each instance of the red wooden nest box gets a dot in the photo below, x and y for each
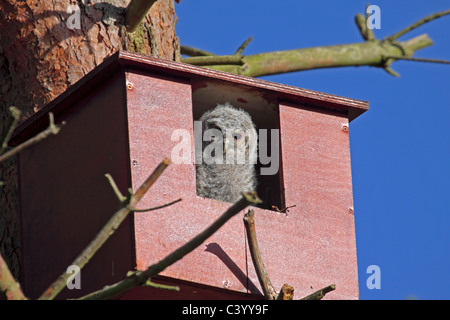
(119, 120)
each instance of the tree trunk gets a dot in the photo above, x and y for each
(45, 47)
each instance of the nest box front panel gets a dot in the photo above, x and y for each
(158, 106)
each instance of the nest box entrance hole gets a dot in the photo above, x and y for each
(264, 111)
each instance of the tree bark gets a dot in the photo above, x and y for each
(43, 51)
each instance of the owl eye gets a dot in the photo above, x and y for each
(237, 136)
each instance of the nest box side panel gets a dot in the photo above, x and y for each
(158, 108)
(65, 199)
(319, 233)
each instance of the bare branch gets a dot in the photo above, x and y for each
(111, 226)
(420, 59)
(417, 24)
(115, 188)
(51, 130)
(142, 190)
(136, 11)
(214, 60)
(263, 277)
(154, 208)
(319, 294)
(368, 53)
(139, 278)
(194, 52)
(361, 23)
(8, 285)
(161, 286)
(243, 46)
(11, 125)
(371, 52)
(391, 71)
(284, 210)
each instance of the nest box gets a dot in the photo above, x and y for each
(120, 119)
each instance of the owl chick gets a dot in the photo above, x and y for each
(229, 152)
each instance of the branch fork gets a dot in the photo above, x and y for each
(370, 52)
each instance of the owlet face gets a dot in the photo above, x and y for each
(228, 155)
(230, 136)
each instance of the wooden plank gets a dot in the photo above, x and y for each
(65, 198)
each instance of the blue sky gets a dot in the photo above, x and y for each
(400, 148)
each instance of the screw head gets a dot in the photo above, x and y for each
(345, 127)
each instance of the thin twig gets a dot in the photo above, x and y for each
(391, 71)
(194, 52)
(319, 294)
(285, 210)
(115, 188)
(361, 23)
(419, 59)
(418, 24)
(10, 126)
(140, 277)
(154, 208)
(161, 286)
(243, 46)
(51, 130)
(112, 225)
(142, 190)
(369, 33)
(8, 285)
(263, 277)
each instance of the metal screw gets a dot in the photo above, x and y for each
(345, 128)
(129, 85)
(351, 211)
(134, 163)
